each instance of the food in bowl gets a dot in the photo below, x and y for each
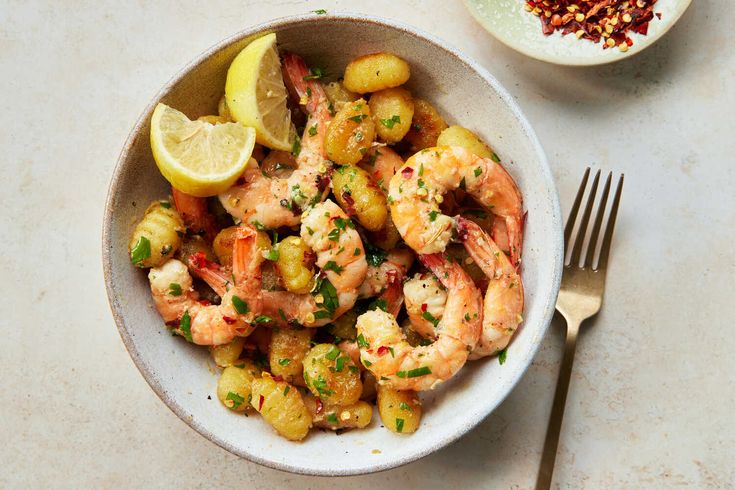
(292, 257)
(609, 21)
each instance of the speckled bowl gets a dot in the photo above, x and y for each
(184, 376)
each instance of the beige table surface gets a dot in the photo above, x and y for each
(652, 396)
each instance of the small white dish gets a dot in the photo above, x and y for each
(512, 25)
(183, 375)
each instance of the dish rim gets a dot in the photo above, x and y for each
(273, 25)
(642, 42)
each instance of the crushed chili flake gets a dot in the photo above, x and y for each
(382, 350)
(407, 172)
(319, 406)
(260, 403)
(424, 306)
(595, 20)
(228, 320)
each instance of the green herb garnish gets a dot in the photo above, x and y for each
(389, 123)
(414, 373)
(236, 399)
(141, 250)
(174, 289)
(240, 306)
(185, 325)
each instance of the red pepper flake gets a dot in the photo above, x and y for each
(595, 20)
(228, 320)
(205, 302)
(260, 403)
(382, 350)
(199, 261)
(319, 406)
(407, 172)
(424, 307)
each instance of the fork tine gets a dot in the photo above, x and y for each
(598, 223)
(577, 250)
(605, 250)
(573, 213)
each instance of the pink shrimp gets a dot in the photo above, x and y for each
(503, 307)
(196, 215)
(203, 324)
(392, 360)
(418, 188)
(275, 202)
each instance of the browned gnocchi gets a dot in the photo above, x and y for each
(392, 112)
(282, 406)
(426, 126)
(376, 71)
(157, 237)
(400, 411)
(331, 375)
(350, 133)
(356, 193)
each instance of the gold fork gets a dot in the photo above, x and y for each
(580, 298)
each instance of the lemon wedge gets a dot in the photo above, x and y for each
(197, 157)
(256, 95)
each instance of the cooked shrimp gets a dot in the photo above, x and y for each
(396, 263)
(503, 307)
(425, 300)
(386, 353)
(177, 302)
(381, 163)
(275, 202)
(196, 215)
(418, 187)
(340, 255)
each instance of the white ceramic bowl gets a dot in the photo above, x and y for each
(520, 30)
(183, 375)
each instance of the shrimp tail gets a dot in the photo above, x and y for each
(196, 215)
(393, 293)
(210, 272)
(308, 91)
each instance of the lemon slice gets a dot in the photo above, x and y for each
(256, 95)
(197, 157)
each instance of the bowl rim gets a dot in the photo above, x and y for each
(642, 42)
(273, 25)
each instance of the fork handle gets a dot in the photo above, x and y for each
(551, 444)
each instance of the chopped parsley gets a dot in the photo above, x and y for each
(140, 251)
(185, 325)
(296, 147)
(284, 362)
(389, 123)
(502, 356)
(333, 235)
(329, 293)
(312, 130)
(272, 254)
(174, 289)
(343, 223)
(340, 364)
(331, 418)
(286, 390)
(379, 304)
(315, 74)
(332, 266)
(433, 215)
(374, 255)
(361, 342)
(495, 157)
(428, 316)
(405, 406)
(414, 373)
(320, 12)
(240, 306)
(333, 353)
(320, 385)
(165, 204)
(263, 319)
(258, 225)
(357, 252)
(358, 118)
(399, 425)
(236, 400)
(478, 171)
